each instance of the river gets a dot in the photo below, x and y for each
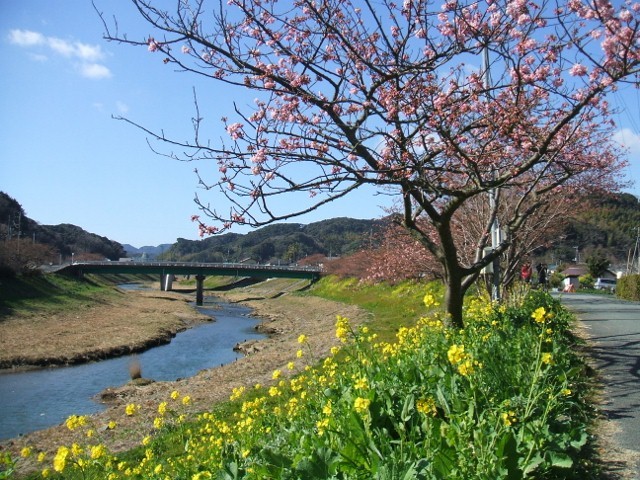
(37, 399)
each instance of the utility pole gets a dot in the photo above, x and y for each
(634, 261)
(493, 200)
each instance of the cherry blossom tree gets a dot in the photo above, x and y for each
(351, 93)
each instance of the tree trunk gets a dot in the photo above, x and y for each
(453, 275)
(454, 297)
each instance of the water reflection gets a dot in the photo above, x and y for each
(38, 399)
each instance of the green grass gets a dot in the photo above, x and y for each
(50, 293)
(391, 306)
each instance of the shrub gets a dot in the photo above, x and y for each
(628, 287)
(586, 281)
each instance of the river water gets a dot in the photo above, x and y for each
(37, 399)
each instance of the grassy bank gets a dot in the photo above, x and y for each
(505, 398)
(53, 293)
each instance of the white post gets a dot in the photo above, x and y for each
(493, 207)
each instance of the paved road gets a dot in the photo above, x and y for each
(614, 328)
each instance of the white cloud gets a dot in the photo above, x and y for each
(94, 71)
(26, 38)
(629, 140)
(122, 107)
(89, 55)
(61, 47)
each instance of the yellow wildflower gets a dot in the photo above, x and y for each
(131, 409)
(162, 408)
(186, 400)
(342, 328)
(456, 354)
(509, 418)
(276, 374)
(302, 339)
(361, 405)
(539, 315)
(426, 406)
(97, 451)
(322, 425)
(175, 395)
(75, 421)
(547, 358)
(430, 301)
(60, 460)
(25, 452)
(236, 393)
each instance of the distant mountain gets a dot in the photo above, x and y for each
(149, 252)
(64, 239)
(280, 242)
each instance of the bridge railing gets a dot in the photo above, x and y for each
(224, 265)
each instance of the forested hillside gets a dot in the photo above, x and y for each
(606, 224)
(22, 237)
(286, 242)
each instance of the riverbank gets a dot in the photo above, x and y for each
(285, 317)
(119, 324)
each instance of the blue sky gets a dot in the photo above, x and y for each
(66, 160)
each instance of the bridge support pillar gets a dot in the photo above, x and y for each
(199, 290)
(166, 282)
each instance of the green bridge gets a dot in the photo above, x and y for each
(167, 270)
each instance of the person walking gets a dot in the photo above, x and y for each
(526, 272)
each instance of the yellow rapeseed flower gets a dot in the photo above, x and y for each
(162, 408)
(430, 301)
(342, 328)
(322, 425)
(456, 354)
(361, 405)
(174, 395)
(465, 368)
(547, 358)
(97, 451)
(426, 406)
(131, 409)
(509, 418)
(276, 374)
(25, 452)
(539, 315)
(75, 421)
(186, 400)
(60, 460)
(302, 339)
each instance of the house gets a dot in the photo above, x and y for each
(574, 272)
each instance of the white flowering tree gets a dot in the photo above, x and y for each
(394, 95)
